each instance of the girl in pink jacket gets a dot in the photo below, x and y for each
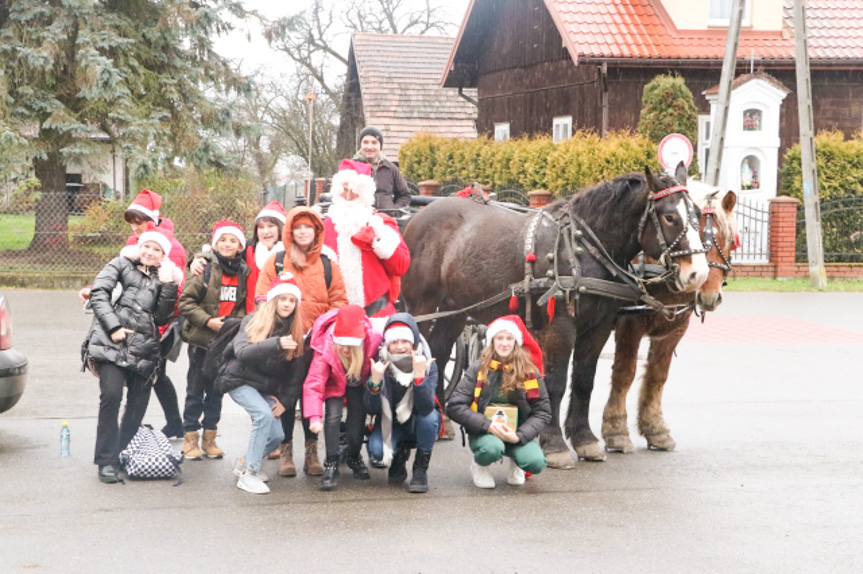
(344, 346)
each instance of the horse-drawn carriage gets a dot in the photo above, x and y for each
(566, 270)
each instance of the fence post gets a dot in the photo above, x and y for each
(429, 188)
(783, 235)
(538, 198)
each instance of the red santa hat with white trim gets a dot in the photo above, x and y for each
(358, 178)
(147, 203)
(162, 237)
(285, 284)
(513, 325)
(275, 210)
(230, 228)
(348, 329)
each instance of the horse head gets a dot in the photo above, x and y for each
(669, 231)
(719, 235)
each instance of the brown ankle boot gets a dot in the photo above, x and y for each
(312, 466)
(209, 446)
(277, 452)
(190, 446)
(286, 460)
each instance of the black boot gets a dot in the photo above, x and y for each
(361, 472)
(109, 474)
(398, 467)
(174, 430)
(419, 480)
(330, 479)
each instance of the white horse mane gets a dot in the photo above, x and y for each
(702, 194)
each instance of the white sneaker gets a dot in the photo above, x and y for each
(251, 482)
(240, 468)
(515, 475)
(482, 478)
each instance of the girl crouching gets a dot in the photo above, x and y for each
(503, 404)
(257, 375)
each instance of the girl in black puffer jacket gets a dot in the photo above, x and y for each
(261, 374)
(122, 346)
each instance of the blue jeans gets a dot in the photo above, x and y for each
(420, 429)
(266, 429)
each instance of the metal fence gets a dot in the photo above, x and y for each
(753, 218)
(841, 230)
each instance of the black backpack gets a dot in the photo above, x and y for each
(328, 266)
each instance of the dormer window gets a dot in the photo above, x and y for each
(720, 13)
(752, 120)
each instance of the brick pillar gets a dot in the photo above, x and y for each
(320, 186)
(783, 235)
(429, 188)
(539, 198)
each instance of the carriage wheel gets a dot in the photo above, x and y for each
(454, 369)
(467, 349)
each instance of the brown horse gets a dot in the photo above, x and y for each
(465, 252)
(721, 231)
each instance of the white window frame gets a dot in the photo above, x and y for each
(705, 125)
(747, 10)
(561, 128)
(501, 131)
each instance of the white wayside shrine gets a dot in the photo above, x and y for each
(750, 162)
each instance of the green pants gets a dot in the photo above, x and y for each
(488, 448)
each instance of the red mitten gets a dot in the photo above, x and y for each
(364, 238)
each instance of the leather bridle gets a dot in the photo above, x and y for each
(668, 251)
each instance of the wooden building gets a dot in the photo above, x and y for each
(554, 66)
(393, 83)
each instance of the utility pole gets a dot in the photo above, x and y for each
(310, 108)
(720, 121)
(811, 203)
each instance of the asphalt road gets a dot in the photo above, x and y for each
(764, 401)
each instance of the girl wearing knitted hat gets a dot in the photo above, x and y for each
(344, 345)
(263, 360)
(503, 404)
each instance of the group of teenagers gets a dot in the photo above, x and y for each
(301, 314)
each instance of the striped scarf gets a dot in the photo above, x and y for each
(531, 386)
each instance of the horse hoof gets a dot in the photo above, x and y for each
(618, 443)
(590, 451)
(559, 460)
(660, 442)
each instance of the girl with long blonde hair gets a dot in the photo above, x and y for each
(503, 404)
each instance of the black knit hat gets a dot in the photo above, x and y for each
(372, 131)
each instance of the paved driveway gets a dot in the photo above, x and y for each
(764, 401)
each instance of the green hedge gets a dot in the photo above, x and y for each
(527, 163)
(840, 186)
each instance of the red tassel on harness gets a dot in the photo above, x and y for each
(513, 303)
(530, 258)
(550, 307)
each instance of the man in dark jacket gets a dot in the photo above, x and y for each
(401, 394)
(392, 190)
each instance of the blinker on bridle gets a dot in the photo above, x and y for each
(692, 219)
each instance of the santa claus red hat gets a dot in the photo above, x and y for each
(349, 330)
(360, 167)
(228, 227)
(275, 210)
(162, 237)
(285, 284)
(358, 177)
(147, 203)
(513, 325)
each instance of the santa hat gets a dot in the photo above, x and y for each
(162, 237)
(285, 284)
(513, 325)
(147, 203)
(358, 177)
(275, 210)
(349, 330)
(228, 227)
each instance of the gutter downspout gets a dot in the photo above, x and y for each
(467, 97)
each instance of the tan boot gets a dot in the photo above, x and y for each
(190, 446)
(209, 446)
(277, 452)
(312, 466)
(286, 460)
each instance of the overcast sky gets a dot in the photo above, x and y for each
(246, 45)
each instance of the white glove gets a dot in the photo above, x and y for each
(377, 224)
(166, 271)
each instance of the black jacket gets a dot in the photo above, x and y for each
(144, 305)
(533, 416)
(392, 191)
(262, 366)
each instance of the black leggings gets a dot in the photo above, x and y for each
(296, 392)
(112, 438)
(353, 425)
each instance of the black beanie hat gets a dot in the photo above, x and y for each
(372, 131)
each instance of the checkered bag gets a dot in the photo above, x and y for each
(149, 456)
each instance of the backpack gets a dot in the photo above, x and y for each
(215, 355)
(149, 455)
(328, 266)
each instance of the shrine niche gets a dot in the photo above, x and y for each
(752, 120)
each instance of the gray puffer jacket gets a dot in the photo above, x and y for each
(144, 304)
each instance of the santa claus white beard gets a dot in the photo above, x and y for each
(349, 216)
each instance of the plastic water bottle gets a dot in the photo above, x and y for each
(65, 437)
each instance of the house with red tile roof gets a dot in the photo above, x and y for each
(554, 66)
(393, 82)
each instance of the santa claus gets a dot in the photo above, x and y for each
(371, 253)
